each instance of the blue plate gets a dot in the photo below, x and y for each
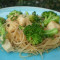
(53, 55)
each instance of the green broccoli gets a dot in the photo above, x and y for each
(2, 32)
(14, 15)
(34, 17)
(51, 32)
(47, 14)
(2, 29)
(35, 34)
(50, 16)
(2, 20)
(26, 13)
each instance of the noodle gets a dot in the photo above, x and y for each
(19, 42)
(28, 48)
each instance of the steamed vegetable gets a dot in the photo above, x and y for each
(35, 34)
(51, 32)
(26, 13)
(2, 29)
(47, 14)
(50, 16)
(2, 20)
(34, 17)
(14, 15)
(2, 32)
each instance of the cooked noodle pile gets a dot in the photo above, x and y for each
(20, 43)
(17, 22)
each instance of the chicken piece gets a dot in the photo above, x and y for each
(21, 20)
(28, 22)
(7, 46)
(11, 26)
(52, 25)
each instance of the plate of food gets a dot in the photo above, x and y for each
(29, 33)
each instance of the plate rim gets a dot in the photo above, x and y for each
(30, 7)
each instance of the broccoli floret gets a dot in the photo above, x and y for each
(2, 20)
(47, 14)
(26, 13)
(34, 17)
(50, 16)
(34, 39)
(51, 32)
(2, 32)
(35, 34)
(14, 15)
(2, 29)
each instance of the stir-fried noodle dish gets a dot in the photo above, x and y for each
(30, 33)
